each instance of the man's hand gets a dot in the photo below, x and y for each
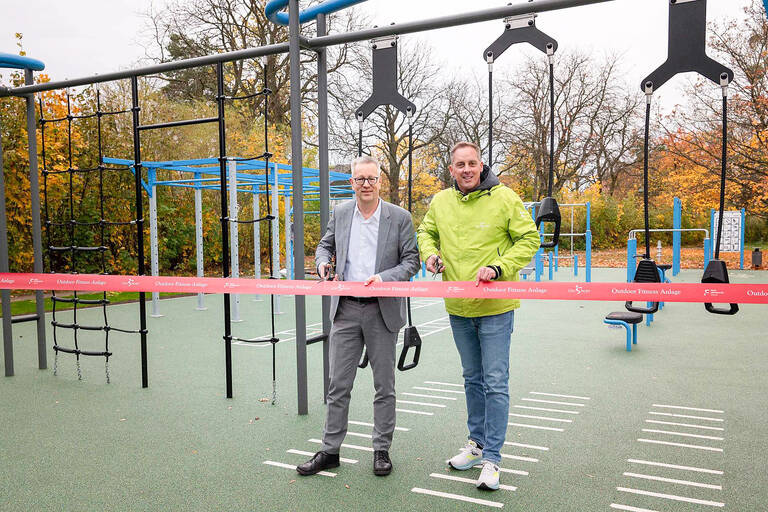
(485, 274)
(373, 279)
(323, 270)
(435, 264)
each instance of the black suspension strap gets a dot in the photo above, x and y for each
(385, 92)
(62, 244)
(686, 52)
(522, 29)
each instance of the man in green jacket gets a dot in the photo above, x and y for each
(479, 230)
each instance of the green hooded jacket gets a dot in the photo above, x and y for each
(488, 226)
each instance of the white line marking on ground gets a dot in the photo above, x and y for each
(364, 424)
(531, 446)
(439, 390)
(459, 497)
(358, 434)
(674, 481)
(518, 457)
(681, 434)
(683, 425)
(524, 425)
(468, 480)
(682, 445)
(672, 497)
(505, 470)
(674, 466)
(429, 396)
(540, 418)
(631, 509)
(688, 408)
(415, 412)
(351, 446)
(420, 403)
(444, 384)
(290, 466)
(685, 416)
(310, 454)
(545, 409)
(560, 396)
(551, 402)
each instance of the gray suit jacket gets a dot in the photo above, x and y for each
(397, 257)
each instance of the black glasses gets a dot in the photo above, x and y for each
(361, 181)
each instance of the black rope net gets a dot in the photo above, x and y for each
(268, 218)
(76, 237)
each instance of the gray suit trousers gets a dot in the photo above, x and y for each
(354, 327)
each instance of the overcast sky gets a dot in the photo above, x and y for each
(86, 37)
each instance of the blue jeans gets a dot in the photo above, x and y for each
(483, 345)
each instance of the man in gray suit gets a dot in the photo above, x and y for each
(373, 241)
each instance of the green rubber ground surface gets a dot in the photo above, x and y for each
(181, 445)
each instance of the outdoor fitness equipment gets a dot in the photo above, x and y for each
(385, 93)
(686, 52)
(553, 257)
(522, 29)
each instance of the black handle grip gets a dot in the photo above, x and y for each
(637, 309)
(411, 339)
(731, 310)
(364, 361)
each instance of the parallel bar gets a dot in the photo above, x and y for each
(37, 236)
(185, 122)
(298, 200)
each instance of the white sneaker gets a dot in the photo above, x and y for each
(489, 477)
(467, 457)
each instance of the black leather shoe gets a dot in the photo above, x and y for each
(382, 465)
(319, 462)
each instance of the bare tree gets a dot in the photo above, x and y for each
(386, 129)
(594, 123)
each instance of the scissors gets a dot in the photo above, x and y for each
(439, 267)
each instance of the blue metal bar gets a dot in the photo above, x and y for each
(588, 262)
(677, 221)
(743, 228)
(274, 8)
(9, 60)
(631, 255)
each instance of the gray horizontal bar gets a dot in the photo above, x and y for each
(24, 318)
(247, 53)
(315, 43)
(452, 20)
(187, 122)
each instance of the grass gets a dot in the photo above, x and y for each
(27, 306)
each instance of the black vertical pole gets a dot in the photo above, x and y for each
(139, 224)
(5, 267)
(322, 119)
(37, 238)
(298, 203)
(224, 223)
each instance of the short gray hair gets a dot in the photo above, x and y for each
(365, 159)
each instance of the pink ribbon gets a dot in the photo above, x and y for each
(641, 292)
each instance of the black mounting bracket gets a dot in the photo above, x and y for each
(687, 50)
(520, 29)
(385, 80)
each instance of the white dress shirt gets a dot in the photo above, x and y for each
(363, 241)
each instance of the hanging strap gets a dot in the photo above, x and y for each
(549, 211)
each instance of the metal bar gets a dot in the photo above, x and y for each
(139, 226)
(154, 257)
(233, 235)
(248, 53)
(316, 339)
(275, 236)
(185, 122)
(24, 318)
(634, 232)
(322, 130)
(199, 244)
(289, 263)
(298, 191)
(316, 43)
(37, 237)
(5, 267)
(256, 238)
(452, 20)
(224, 222)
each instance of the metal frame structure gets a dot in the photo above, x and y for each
(296, 44)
